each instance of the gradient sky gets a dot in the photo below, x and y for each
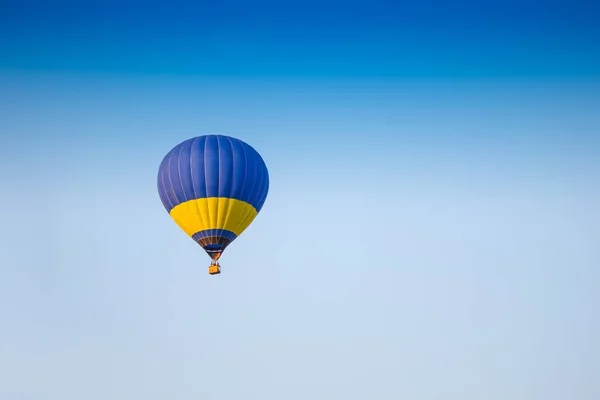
(432, 229)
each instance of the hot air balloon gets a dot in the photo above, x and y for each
(213, 186)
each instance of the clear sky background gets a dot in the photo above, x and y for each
(433, 224)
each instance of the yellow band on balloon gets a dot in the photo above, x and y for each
(213, 213)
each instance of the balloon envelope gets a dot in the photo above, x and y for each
(213, 187)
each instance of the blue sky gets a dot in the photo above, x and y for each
(448, 155)
(309, 38)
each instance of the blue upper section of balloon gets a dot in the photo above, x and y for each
(213, 166)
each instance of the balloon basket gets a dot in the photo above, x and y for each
(214, 269)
